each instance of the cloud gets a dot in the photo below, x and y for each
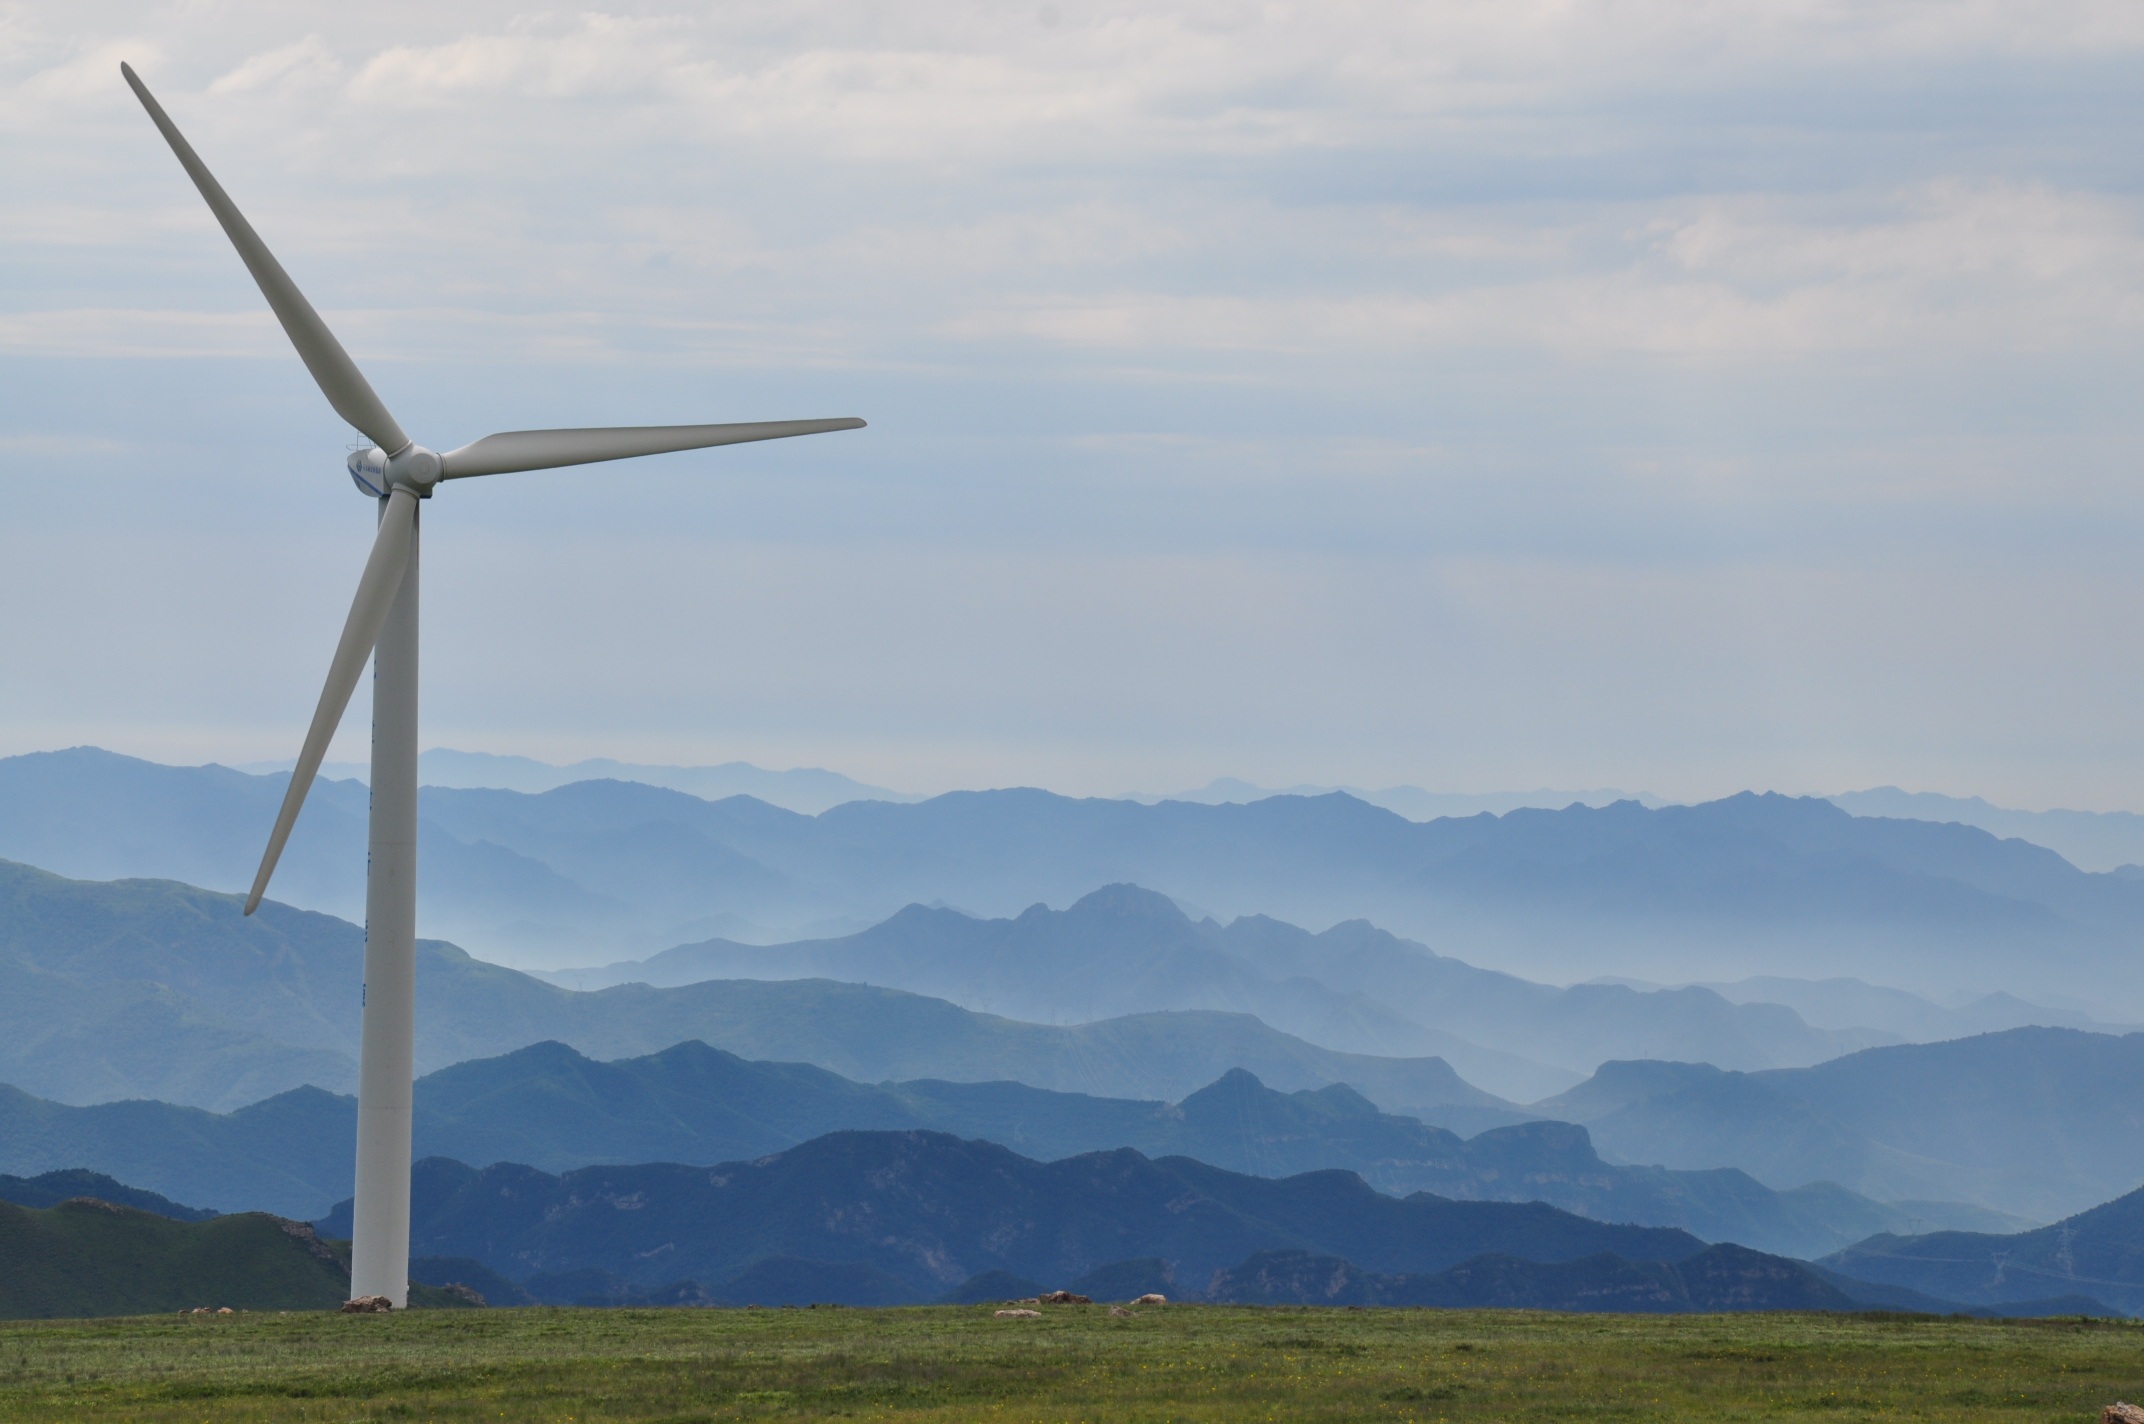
(1453, 381)
(124, 333)
(2001, 266)
(308, 64)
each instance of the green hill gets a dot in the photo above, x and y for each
(89, 1257)
(52, 1188)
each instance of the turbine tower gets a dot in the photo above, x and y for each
(397, 473)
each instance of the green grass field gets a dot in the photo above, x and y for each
(1078, 1363)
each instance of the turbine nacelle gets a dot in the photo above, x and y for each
(378, 474)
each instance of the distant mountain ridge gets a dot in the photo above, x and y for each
(1852, 1003)
(156, 990)
(1746, 885)
(2041, 1122)
(87, 1256)
(808, 789)
(2090, 840)
(550, 1108)
(1416, 803)
(933, 1211)
(1122, 949)
(148, 990)
(2099, 1253)
(879, 1218)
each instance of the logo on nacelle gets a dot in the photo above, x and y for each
(368, 468)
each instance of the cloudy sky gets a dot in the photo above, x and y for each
(1653, 393)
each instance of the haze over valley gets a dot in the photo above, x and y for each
(1064, 977)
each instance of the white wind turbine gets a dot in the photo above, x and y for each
(397, 472)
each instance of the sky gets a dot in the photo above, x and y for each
(1674, 396)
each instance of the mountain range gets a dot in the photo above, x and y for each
(153, 958)
(1416, 803)
(808, 789)
(88, 1255)
(1913, 1018)
(156, 990)
(1744, 886)
(933, 1211)
(549, 1107)
(2040, 1122)
(880, 1218)
(149, 990)
(1123, 950)
(885, 1216)
(2099, 1252)
(2092, 840)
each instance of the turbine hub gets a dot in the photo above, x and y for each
(377, 473)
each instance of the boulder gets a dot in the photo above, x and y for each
(1063, 1298)
(1152, 1298)
(368, 1305)
(2119, 1413)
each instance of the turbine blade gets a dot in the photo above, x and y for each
(333, 370)
(376, 592)
(547, 449)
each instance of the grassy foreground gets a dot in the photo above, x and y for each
(1078, 1363)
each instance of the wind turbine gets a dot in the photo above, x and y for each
(397, 472)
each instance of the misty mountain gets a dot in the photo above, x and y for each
(2099, 1253)
(1853, 1003)
(933, 1211)
(290, 1154)
(808, 789)
(2094, 840)
(94, 815)
(159, 990)
(1747, 885)
(2040, 1122)
(551, 1108)
(1124, 950)
(152, 989)
(1414, 802)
